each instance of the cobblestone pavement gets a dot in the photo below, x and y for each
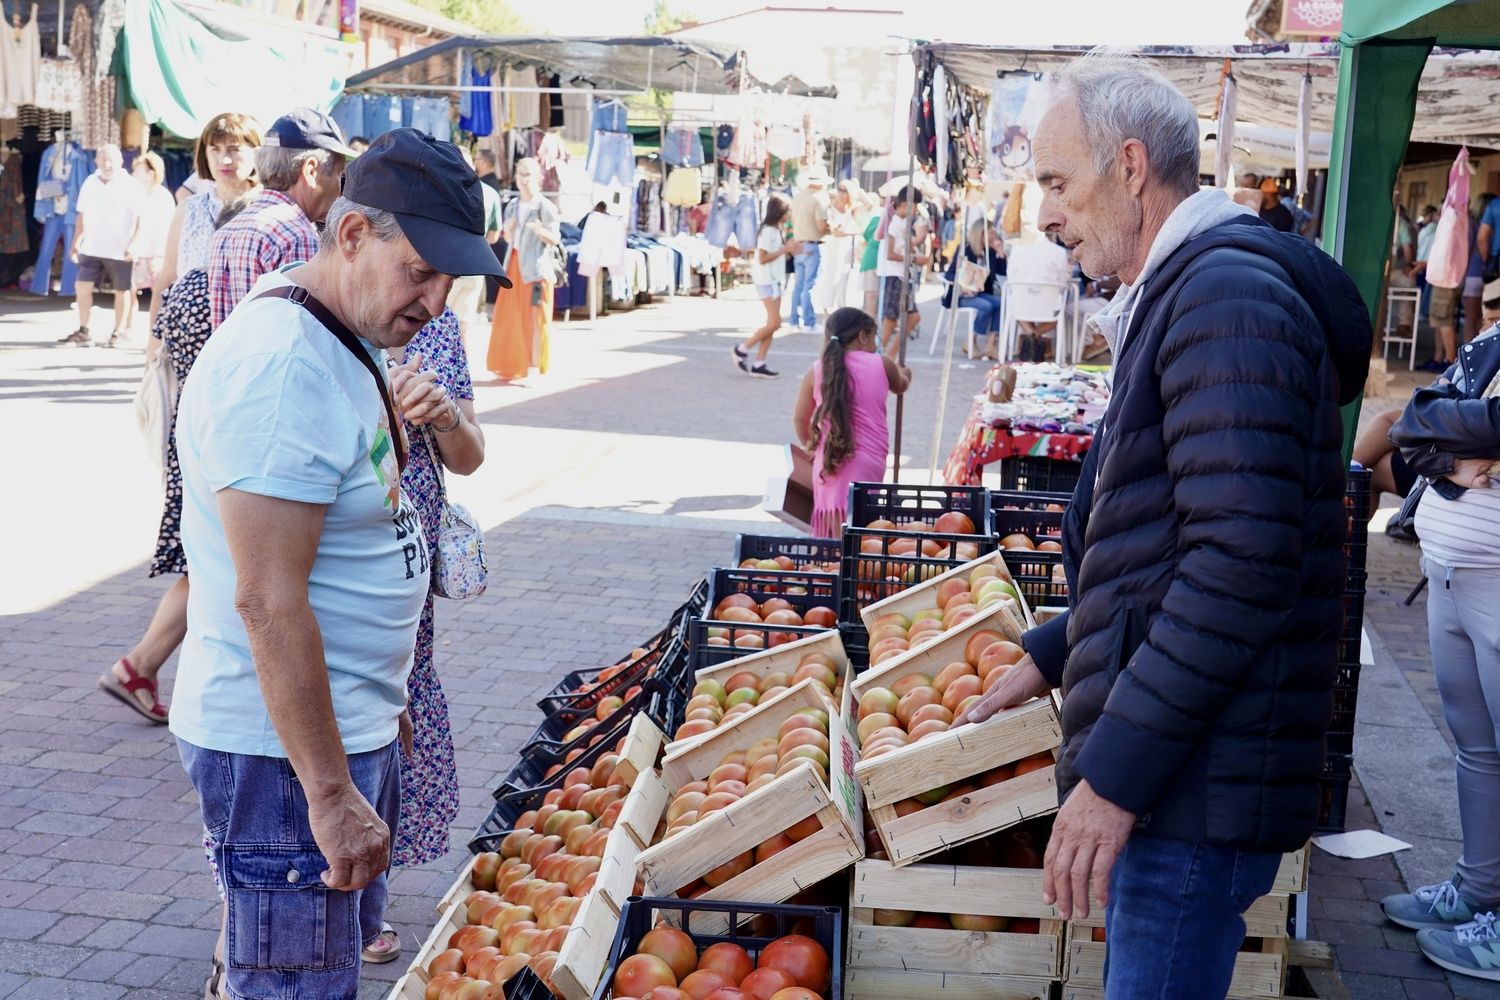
(611, 485)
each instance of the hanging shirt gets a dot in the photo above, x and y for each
(20, 65)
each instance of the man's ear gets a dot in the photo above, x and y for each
(353, 230)
(1134, 166)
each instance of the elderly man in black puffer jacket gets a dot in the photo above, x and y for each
(1203, 547)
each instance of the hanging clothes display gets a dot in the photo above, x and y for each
(479, 121)
(59, 86)
(784, 142)
(941, 145)
(684, 187)
(466, 98)
(12, 207)
(682, 147)
(94, 125)
(63, 170)
(20, 64)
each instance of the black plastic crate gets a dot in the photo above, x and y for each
(856, 639)
(1333, 808)
(537, 758)
(639, 915)
(1015, 513)
(813, 555)
(527, 985)
(1040, 475)
(803, 591)
(872, 571)
(1035, 578)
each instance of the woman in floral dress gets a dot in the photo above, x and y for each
(429, 779)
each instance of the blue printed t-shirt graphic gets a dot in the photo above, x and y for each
(278, 407)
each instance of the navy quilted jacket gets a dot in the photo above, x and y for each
(1204, 547)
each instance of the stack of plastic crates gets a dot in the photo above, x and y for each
(1340, 761)
(1034, 474)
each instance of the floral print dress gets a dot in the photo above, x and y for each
(183, 327)
(429, 780)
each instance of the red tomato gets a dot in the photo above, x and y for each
(800, 957)
(762, 984)
(640, 973)
(728, 960)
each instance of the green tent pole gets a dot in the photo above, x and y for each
(1377, 103)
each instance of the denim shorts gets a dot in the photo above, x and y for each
(289, 937)
(740, 220)
(612, 159)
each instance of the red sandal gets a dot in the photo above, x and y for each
(126, 691)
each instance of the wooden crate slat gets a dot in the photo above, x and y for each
(643, 744)
(1292, 875)
(1256, 974)
(585, 951)
(460, 889)
(930, 657)
(946, 758)
(693, 759)
(894, 984)
(976, 952)
(927, 888)
(911, 838)
(924, 595)
(409, 987)
(784, 657)
(643, 808)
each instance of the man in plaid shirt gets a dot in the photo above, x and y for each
(300, 163)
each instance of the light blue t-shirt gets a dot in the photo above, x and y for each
(277, 406)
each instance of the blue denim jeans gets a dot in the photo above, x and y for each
(805, 267)
(988, 308)
(612, 159)
(56, 230)
(1175, 918)
(740, 220)
(289, 936)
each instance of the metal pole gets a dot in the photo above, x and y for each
(911, 191)
(952, 311)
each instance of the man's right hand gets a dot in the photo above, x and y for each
(1471, 473)
(1020, 684)
(352, 836)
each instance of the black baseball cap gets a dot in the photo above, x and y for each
(434, 195)
(307, 128)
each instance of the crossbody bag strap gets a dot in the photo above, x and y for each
(302, 297)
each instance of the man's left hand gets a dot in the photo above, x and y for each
(1086, 841)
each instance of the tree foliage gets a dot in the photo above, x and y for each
(489, 17)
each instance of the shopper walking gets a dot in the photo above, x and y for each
(149, 245)
(451, 443)
(224, 159)
(300, 163)
(809, 228)
(521, 331)
(310, 569)
(1450, 434)
(840, 414)
(182, 327)
(768, 272)
(869, 260)
(1204, 547)
(894, 273)
(224, 169)
(109, 206)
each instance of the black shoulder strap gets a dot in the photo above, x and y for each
(302, 297)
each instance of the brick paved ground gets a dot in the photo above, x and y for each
(613, 484)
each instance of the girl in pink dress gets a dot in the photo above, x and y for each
(840, 414)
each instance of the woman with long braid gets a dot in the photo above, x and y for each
(840, 414)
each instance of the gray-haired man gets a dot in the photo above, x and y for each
(300, 161)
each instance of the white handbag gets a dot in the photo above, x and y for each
(155, 407)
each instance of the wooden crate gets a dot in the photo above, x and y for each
(783, 658)
(924, 596)
(692, 760)
(895, 984)
(1001, 892)
(643, 741)
(1256, 974)
(762, 814)
(580, 962)
(1292, 875)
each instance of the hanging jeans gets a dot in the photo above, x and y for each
(57, 229)
(682, 148)
(612, 159)
(739, 220)
(805, 266)
(349, 114)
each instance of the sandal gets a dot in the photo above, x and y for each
(215, 989)
(128, 689)
(385, 948)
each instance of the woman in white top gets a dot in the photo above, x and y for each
(768, 271)
(225, 156)
(154, 220)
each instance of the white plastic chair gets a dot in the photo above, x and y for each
(1035, 302)
(964, 314)
(1393, 299)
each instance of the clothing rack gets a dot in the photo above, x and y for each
(494, 88)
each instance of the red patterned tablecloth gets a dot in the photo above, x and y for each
(980, 443)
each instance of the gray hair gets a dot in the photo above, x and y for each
(279, 167)
(112, 151)
(1122, 98)
(384, 223)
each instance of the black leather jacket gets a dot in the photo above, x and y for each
(1448, 420)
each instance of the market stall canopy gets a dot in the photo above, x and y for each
(1454, 100)
(647, 63)
(181, 72)
(1469, 24)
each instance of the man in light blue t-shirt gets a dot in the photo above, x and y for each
(310, 570)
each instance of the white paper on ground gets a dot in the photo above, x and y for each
(1360, 844)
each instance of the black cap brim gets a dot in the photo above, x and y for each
(451, 250)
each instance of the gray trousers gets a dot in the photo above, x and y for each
(1463, 626)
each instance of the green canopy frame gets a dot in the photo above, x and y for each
(1385, 44)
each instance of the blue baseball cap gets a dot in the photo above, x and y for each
(307, 128)
(435, 196)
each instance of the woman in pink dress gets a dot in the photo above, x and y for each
(840, 414)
